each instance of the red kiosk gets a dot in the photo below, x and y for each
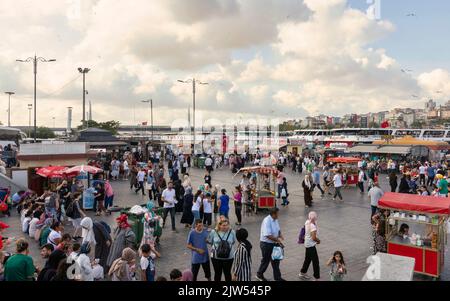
(350, 164)
(426, 218)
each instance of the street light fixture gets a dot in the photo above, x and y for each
(150, 102)
(30, 107)
(84, 71)
(194, 82)
(9, 107)
(35, 61)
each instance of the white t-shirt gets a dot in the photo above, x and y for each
(125, 165)
(309, 242)
(337, 179)
(52, 237)
(208, 162)
(145, 262)
(361, 176)
(25, 224)
(196, 205)
(141, 176)
(169, 195)
(207, 207)
(33, 228)
(422, 170)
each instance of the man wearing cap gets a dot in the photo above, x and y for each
(270, 237)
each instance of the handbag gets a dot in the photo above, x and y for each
(277, 253)
(283, 193)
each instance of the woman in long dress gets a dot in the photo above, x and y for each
(152, 223)
(124, 237)
(188, 217)
(307, 190)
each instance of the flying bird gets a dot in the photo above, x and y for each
(411, 15)
(406, 70)
(415, 96)
(438, 92)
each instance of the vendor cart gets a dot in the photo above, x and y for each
(427, 219)
(350, 166)
(263, 192)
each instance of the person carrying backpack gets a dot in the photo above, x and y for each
(222, 239)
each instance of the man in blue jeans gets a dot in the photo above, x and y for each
(169, 200)
(270, 237)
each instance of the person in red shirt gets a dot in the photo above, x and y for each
(3, 226)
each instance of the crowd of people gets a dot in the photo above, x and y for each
(101, 253)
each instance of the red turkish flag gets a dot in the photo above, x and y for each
(385, 125)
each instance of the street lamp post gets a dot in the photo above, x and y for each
(194, 82)
(35, 61)
(150, 102)
(84, 71)
(30, 106)
(9, 107)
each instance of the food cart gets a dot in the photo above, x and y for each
(427, 219)
(350, 165)
(263, 192)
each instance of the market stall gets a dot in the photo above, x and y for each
(85, 174)
(427, 218)
(263, 190)
(350, 167)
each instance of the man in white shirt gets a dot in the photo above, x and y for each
(140, 178)
(375, 194)
(270, 237)
(168, 197)
(422, 172)
(208, 164)
(361, 176)
(337, 180)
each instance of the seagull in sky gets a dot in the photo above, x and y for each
(411, 15)
(415, 96)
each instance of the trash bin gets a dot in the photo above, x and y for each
(136, 225)
(201, 162)
(195, 162)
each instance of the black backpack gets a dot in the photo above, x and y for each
(224, 249)
(70, 209)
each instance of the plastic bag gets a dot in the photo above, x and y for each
(277, 253)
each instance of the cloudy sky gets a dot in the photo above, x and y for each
(261, 58)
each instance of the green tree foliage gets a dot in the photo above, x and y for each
(43, 133)
(111, 126)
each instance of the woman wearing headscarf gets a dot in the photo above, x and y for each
(98, 238)
(186, 181)
(122, 268)
(311, 240)
(242, 265)
(84, 263)
(179, 195)
(151, 223)
(187, 276)
(188, 217)
(123, 238)
(307, 190)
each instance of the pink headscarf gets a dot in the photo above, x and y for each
(312, 217)
(187, 276)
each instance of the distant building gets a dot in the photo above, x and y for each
(430, 105)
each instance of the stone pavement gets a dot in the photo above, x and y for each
(342, 226)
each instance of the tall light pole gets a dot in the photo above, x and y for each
(84, 71)
(30, 107)
(35, 61)
(150, 102)
(9, 107)
(194, 82)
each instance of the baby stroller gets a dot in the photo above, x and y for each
(5, 204)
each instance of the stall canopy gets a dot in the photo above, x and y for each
(344, 160)
(82, 168)
(259, 169)
(379, 149)
(411, 141)
(51, 171)
(415, 203)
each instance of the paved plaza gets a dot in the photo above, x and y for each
(342, 226)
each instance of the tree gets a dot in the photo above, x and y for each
(43, 133)
(111, 126)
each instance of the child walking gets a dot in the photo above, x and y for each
(148, 270)
(337, 264)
